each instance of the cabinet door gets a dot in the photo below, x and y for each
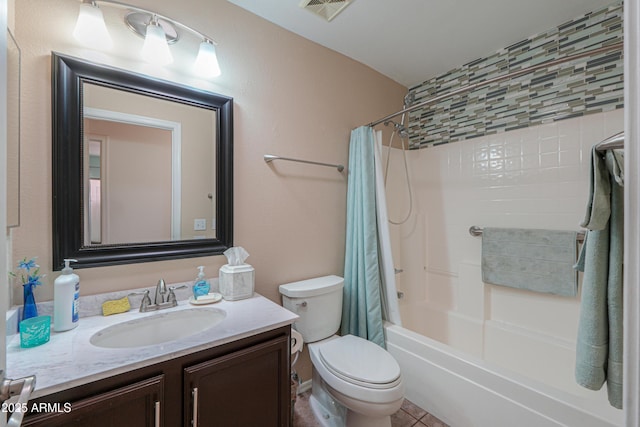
(246, 388)
(135, 405)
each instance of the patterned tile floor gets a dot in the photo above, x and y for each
(412, 415)
(409, 415)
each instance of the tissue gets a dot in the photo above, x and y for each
(236, 278)
(236, 255)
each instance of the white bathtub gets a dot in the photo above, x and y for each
(464, 391)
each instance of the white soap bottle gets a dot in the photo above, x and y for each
(66, 291)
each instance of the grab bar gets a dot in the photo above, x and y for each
(475, 231)
(268, 158)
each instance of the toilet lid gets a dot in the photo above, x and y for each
(361, 362)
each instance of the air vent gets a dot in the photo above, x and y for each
(327, 9)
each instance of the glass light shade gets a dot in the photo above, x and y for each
(206, 64)
(155, 49)
(90, 28)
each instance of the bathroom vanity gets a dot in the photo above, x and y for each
(236, 373)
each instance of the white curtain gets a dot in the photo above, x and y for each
(389, 294)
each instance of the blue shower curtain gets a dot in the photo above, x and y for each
(361, 308)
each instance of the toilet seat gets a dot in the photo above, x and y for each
(360, 362)
(350, 392)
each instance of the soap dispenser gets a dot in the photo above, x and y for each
(201, 285)
(66, 292)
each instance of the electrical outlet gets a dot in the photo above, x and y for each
(199, 224)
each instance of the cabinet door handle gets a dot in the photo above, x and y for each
(194, 393)
(22, 387)
(157, 414)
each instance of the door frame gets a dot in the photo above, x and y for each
(631, 383)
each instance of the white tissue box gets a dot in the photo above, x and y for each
(236, 281)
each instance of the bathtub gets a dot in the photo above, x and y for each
(463, 390)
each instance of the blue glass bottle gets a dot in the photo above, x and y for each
(29, 309)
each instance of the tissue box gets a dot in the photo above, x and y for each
(236, 281)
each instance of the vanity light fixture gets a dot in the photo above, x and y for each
(206, 64)
(159, 32)
(156, 49)
(90, 28)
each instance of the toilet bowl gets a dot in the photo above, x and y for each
(355, 383)
(360, 375)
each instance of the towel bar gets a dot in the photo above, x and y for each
(475, 231)
(613, 142)
(268, 158)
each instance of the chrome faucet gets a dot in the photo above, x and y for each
(159, 301)
(161, 290)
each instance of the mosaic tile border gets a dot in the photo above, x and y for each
(573, 89)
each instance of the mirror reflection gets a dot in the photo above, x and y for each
(149, 168)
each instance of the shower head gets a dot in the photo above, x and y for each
(395, 124)
(399, 128)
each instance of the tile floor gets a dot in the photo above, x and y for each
(412, 415)
(409, 415)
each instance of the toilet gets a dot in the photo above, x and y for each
(356, 383)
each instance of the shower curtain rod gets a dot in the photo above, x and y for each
(468, 88)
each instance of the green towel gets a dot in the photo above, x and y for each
(600, 331)
(536, 260)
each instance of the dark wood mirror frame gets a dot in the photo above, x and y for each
(68, 75)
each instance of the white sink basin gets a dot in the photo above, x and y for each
(158, 328)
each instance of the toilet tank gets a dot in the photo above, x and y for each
(318, 302)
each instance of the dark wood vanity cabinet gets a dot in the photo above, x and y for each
(243, 383)
(137, 404)
(220, 394)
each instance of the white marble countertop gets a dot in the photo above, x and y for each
(69, 359)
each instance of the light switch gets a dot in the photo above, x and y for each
(199, 224)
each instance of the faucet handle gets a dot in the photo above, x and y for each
(145, 292)
(172, 296)
(146, 299)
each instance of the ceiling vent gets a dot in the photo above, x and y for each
(327, 9)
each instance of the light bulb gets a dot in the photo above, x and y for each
(155, 49)
(206, 64)
(90, 28)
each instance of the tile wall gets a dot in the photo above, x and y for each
(586, 86)
(536, 177)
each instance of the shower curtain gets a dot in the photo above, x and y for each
(367, 285)
(389, 296)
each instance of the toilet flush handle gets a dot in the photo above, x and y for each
(301, 304)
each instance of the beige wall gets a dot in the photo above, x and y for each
(292, 97)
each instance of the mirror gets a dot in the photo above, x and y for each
(13, 131)
(142, 168)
